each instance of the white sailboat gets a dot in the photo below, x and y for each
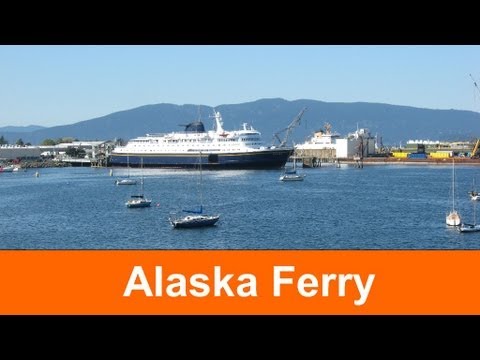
(291, 174)
(474, 195)
(127, 180)
(194, 218)
(453, 218)
(466, 227)
(139, 200)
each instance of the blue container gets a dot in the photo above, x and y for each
(417, 156)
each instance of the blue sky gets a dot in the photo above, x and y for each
(60, 84)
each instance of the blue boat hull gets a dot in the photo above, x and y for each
(269, 159)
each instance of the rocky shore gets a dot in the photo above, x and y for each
(46, 163)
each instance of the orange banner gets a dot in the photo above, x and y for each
(232, 282)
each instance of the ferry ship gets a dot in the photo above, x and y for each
(217, 149)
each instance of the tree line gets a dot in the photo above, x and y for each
(46, 142)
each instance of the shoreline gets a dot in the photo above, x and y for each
(38, 164)
(399, 161)
(402, 161)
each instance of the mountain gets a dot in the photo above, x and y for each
(29, 128)
(393, 123)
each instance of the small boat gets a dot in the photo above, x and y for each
(474, 195)
(139, 200)
(127, 180)
(466, 227)
(453, 218)
(194, 221)
(7, 168)
(195, 218)
(291, 174)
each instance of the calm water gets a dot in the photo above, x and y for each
(377, 207)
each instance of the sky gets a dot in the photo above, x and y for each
(51, 85)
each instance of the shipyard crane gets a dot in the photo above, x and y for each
(474, 83)
(477, 143)
(288, 129)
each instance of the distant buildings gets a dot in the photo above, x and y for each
(94, 151)
(325, 144)
(15, 152)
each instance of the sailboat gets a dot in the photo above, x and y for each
(139, 201)
(474, 195)
(194, 218)
(465, 227)
(128, 180)
(291, 174)
(453, 218)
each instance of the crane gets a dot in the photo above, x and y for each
(477, 143)
(474, 83)
(475, 149)
(288, 129)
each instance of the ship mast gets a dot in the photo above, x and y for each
(218, 122)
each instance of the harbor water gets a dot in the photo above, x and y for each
(375, 207)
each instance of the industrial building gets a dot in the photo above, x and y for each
(95, 152)
(327, 146)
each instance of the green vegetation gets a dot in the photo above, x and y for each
(66, 140)
(51, 142)
(48, 142)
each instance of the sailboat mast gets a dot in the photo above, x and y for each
(141, 164)
(474, 213)
(453, 184)
(201, 181)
